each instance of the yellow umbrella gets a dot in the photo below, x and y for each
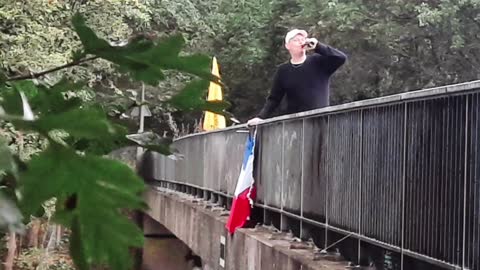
(214, 121)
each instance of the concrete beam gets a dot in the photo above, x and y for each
(202, 228)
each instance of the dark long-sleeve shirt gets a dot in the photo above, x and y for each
(306, 85)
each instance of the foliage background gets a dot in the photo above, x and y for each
(393, 46)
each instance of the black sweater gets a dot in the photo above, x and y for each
(306, 85)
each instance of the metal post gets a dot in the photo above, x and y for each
(327, 181)
(302, 178)
(282, 219)
(465, 181)
(141, 114)
(404, 179)
(360, 187)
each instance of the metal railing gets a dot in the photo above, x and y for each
(399, 174)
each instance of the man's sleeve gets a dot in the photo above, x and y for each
(274, 98)
(332, 58)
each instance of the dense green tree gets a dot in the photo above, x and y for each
(397, 46)
(393, 46)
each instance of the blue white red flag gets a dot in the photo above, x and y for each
(245, 191)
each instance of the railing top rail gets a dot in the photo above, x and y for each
(412, 95)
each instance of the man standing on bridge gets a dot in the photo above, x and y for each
(305, 80)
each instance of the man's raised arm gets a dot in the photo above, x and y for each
(332, 58)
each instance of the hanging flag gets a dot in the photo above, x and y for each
(245, 192)
(214, 121)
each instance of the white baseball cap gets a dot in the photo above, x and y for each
(291, 34)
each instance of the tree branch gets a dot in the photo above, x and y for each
(43, 73)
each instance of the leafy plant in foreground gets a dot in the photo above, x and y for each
(91, 190)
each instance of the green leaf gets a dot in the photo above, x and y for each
(10, 216)
(91, 191)
(166, 55)
(89, 123)
(65, 85)
(3, 78)
(78, 55)
(90, 40)
(137, 44)
(152, 141)
(148, 140)
(76, 246)
(169, 48)
(27, 87)
(192, 97)
(127, 57)
(215, 106)
(7, 163)
(99, 146)
(196, 64)
(42, 99)
(82, 123)
(11, 101)
(142, 58)
(53, 100)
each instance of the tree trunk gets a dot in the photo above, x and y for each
(43, 235)
(12, 246)
(34, 234)
(20, 245)
(52, 239)
(58, 236)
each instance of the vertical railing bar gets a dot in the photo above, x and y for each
(204, 161)
(327, 154)
(475, 195)
(395, 174)
(302, 177)
(454, 237)
(436, 140)
(465, 180)
(383, 133)
(282, 168)
(462, 225)
(224, 138)
(259, 171)
(404, 179)
(350, 160)
(475, 232)
(423, 232)
(428, 178)
(441, 180)
(449, 252)
(387, 112)
(360, 184)
(377, 142)
(342, 174)
(260, 168)
(455, 187)
(457, 210)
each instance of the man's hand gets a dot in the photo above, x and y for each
(311, 43)
(255, 121)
